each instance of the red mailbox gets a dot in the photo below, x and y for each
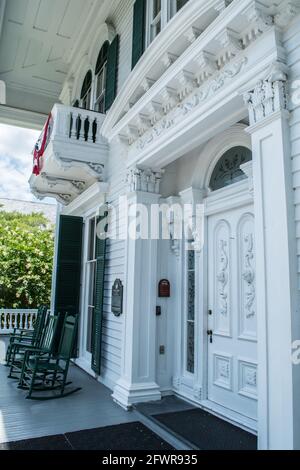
(164, 288)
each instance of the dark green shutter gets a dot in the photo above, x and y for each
(138, 37)
(112, 73)
(68, 270)
(98, 311)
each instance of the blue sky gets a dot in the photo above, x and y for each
(16, 145)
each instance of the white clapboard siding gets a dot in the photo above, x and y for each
(115, 263)
(292, 46)
(122, 19)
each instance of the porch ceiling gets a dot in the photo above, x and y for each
(36, 39)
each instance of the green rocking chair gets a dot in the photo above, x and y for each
(25, 336)
(45, 344)
(47, 372)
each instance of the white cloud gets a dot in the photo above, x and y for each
(16, 146)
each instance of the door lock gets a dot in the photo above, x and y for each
(210, 334)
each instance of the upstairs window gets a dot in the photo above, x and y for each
(86, 91)
(176, 5)
(101, 71)
(156, 18)
(159, 13)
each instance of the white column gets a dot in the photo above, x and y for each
(277, 314)
(138, 369)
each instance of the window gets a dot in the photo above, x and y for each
(101, 69)
(227, 170)
(176, 5)
(159, 13)
(155, 18)
(190, 317)
(86, 91)
(91, 265)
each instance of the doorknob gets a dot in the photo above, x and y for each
(210, 334)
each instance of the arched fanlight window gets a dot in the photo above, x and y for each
(227, 171)
(86, 91)
(101, 68)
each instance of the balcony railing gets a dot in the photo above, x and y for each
(73, 155)
(16, 318)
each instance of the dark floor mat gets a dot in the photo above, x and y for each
(44, 443)
(206, 431)
(131, 436)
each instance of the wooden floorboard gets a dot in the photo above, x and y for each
(90, 408)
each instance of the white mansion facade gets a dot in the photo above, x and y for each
(187, 102)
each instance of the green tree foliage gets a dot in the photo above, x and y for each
(26, 256)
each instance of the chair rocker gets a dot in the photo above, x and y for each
(48, 372)
(25, 336)
(19, 349)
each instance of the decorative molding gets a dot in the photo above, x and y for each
(53, 181)
(192, 34)
(249, 277)
(195, 100)
(176, 382)
(247, 168)
(62, 198)
(223, 277)
(221, 5)
(269, 96)
(207, 63)
(168, 59)
(197, 392)
(287, 11)
(95, 169)
(145, 180)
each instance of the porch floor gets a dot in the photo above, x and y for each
(90, 408)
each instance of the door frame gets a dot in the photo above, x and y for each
(234, 196)
(84, 361)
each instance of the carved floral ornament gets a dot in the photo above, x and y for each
(269, 95)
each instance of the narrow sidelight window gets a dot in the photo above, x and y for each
(91, 277)
(190, 320)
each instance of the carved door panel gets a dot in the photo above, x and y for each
(232, 342)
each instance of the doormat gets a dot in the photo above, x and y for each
(206, 431)
(130, 436)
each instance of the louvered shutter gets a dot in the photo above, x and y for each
(112, 73)
(68, 266)
(98, 310)
(138, 37)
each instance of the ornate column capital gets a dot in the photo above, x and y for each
(269, 96)
(144, 180)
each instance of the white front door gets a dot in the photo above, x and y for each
(232, 343)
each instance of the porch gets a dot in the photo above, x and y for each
(91, 418)
(22, 419)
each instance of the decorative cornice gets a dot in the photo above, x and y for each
(95, 169)
(62, 198)
(195, 100)
(145, 180)
(76, 185)
(269, 95)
